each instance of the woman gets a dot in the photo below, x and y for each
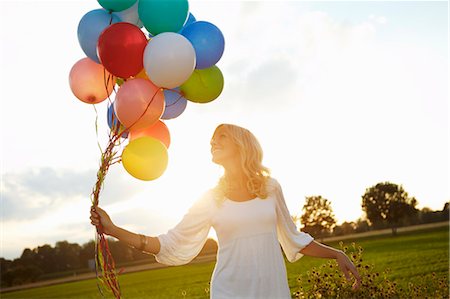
(249, 214)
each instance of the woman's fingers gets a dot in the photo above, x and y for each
(352, 269)
(94, 221)
(95, 216)
(357, 283)
(344, 268)
(349, 269)
(347, 275)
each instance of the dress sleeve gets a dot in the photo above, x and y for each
(184, 242)
(290, 238)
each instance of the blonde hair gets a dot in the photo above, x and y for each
(250, 156)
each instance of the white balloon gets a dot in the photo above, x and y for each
(130, 15)
(169, 59)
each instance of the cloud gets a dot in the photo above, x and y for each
(270, 82)
(269, 62)
(31, 194)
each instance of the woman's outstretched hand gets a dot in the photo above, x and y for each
(347, 267)
(101, 219)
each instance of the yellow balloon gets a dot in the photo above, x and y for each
(145, 158)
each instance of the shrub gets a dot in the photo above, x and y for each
(329, 282)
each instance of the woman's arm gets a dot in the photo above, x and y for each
(148, 244)
(316, 249)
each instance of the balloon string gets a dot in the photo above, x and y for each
(111, 16)
(104, 266)
(104, 259)
(96, 127)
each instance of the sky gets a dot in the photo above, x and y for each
(341, 95)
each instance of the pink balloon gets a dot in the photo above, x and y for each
(139, 104)
(90, 82)
(158, 130)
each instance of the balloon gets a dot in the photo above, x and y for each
(204, 85)
(116, 5)
(114, 123)
(120, 81)
(169, 59)
(130, 15)
(208, 43)
(139, 103)
(175, 103)
(121, 49)
(90, 82)
(158, 130)
(145, 158)
(142, 74)
(163, 16)
(91, 25)
(191, 19)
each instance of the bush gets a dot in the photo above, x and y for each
(329, 282)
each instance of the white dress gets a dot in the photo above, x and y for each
(250, 263)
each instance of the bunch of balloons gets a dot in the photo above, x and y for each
(155, 56)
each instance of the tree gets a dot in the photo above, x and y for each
(345, 228)
(317, 218)
(87, 252)
(47, 258)
(388, 204)
(427, 215)
(362, 225)
(67, 255)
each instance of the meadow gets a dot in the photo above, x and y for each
(412, 258)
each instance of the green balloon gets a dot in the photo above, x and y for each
(116, 5)
(204, 85)
(163, 15)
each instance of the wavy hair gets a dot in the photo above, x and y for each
(250, 156)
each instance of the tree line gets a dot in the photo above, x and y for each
(386, 205)
(66, 259)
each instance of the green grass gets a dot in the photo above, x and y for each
(410, 257)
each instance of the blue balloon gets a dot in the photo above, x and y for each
(175, 103)
(208, 42)
(191, 19)
(113, 121)
(90, 27)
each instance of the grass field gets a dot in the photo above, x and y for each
(411, 257)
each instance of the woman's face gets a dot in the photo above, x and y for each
(223, 149)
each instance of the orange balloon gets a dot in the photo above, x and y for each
(90, 82)
(142, 74)
(158, 130)
(139, 104)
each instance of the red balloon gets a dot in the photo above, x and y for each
(120, 49)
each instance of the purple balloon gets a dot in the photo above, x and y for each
(113, 121)
(175, 103)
